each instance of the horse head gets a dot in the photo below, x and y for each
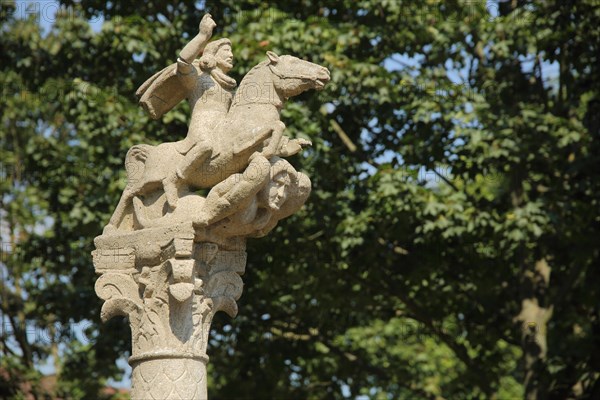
(293, 76)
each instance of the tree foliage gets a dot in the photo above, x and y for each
(450, 245)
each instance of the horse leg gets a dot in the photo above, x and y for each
(135, 166)
(117, 216)
(288, 147)
(273, 145)
(183, 172)
(262, 134)
(140, 214)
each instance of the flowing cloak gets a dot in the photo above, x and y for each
(164, 90)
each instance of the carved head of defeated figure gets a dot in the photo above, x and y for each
(276, 191)
(217, 54)
(294, 76)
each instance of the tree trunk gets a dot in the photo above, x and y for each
(533, 318)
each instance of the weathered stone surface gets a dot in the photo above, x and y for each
(169, 258)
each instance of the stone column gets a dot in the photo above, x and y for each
(169, 287)
(170, 258)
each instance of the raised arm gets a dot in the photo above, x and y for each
(196, 45)
(185, 70)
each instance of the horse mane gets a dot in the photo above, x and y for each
(248, 78)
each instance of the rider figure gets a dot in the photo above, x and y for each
(204, 82)
(210, 93)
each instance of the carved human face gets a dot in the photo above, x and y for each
(224, 58)
(277, 190)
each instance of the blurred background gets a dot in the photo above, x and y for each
(449, 248)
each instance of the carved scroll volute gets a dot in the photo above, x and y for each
(116, 285)
(222, 282)
(120, 295)
(225, 288)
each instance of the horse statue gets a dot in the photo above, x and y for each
(250, 133)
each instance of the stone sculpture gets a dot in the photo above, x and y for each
(169, 258)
